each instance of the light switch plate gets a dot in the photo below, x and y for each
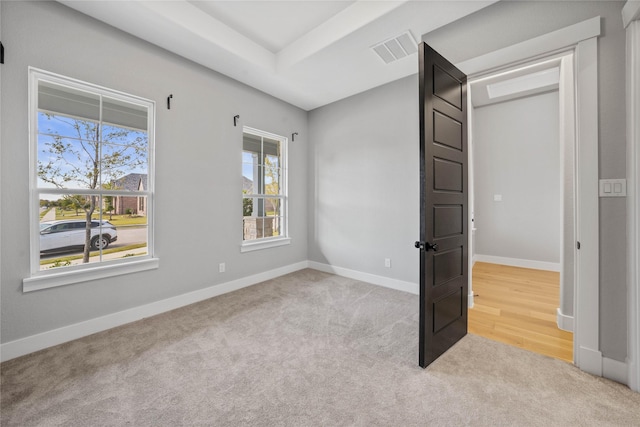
(613, 188)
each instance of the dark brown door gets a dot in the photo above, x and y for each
(443, 205)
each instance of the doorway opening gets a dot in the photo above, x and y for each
(523, 205)
(581, 40)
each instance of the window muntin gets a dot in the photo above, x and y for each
(264, 190)
(91, 151)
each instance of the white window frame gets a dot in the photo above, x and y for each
(42, 279)
(283, 239)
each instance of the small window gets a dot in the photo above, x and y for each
(264, 189)
(91, 151)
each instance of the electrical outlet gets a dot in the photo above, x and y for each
(221, 267)
(387, 262)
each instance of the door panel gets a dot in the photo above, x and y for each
(447, 265)
(447, 175)
(446, 86)
(447, 220)
(447, 310)
(443, 205)
(447, 131)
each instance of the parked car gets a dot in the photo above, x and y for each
(69, 234)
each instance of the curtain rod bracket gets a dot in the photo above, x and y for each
(235, 119)
(169, 101)
(293, 136)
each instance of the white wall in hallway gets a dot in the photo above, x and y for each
(517, 179)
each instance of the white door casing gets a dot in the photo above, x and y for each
(631, 18)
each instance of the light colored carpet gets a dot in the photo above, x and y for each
(306, 349)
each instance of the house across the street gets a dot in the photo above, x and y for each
(134, 205)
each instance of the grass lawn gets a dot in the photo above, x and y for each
(116, 219)
(92, 253)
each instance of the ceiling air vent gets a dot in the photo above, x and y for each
(395, 48)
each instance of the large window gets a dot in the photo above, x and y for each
(91, 177)
(264, 189)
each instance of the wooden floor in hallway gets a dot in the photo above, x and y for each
(517, 306)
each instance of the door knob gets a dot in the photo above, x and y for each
(426, 246)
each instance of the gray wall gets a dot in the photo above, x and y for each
(517, 155)
(364, 181)
(198, 153)
(509, 22)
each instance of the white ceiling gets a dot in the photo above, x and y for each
(306, 52)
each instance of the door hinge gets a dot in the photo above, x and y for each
(578, 245)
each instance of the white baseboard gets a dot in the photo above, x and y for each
(43, 340)
(632, 375)
(615, 370)
(564, 322)
(399, 285)
(517, 262)
(590, 361)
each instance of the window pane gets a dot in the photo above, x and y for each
(67, 163)
(253, 228)
(272, 181)
(124, 152)
(112, 235)
(59, 125)
(125, 136)
(276, 224)
(125, 210)
(250, 181)
(272, 161)
(247, 206)
(247, 185)
(64, 231)
(248, 157)
(124, 168)
(272, 207)
(262, 227)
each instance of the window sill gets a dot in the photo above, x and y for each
(45, 281)
(256, 246)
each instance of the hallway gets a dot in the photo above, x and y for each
(517, 306)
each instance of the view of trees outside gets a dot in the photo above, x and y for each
(81, 154)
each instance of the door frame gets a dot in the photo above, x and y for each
(564, 61)
(631, 21)
(581, 38)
